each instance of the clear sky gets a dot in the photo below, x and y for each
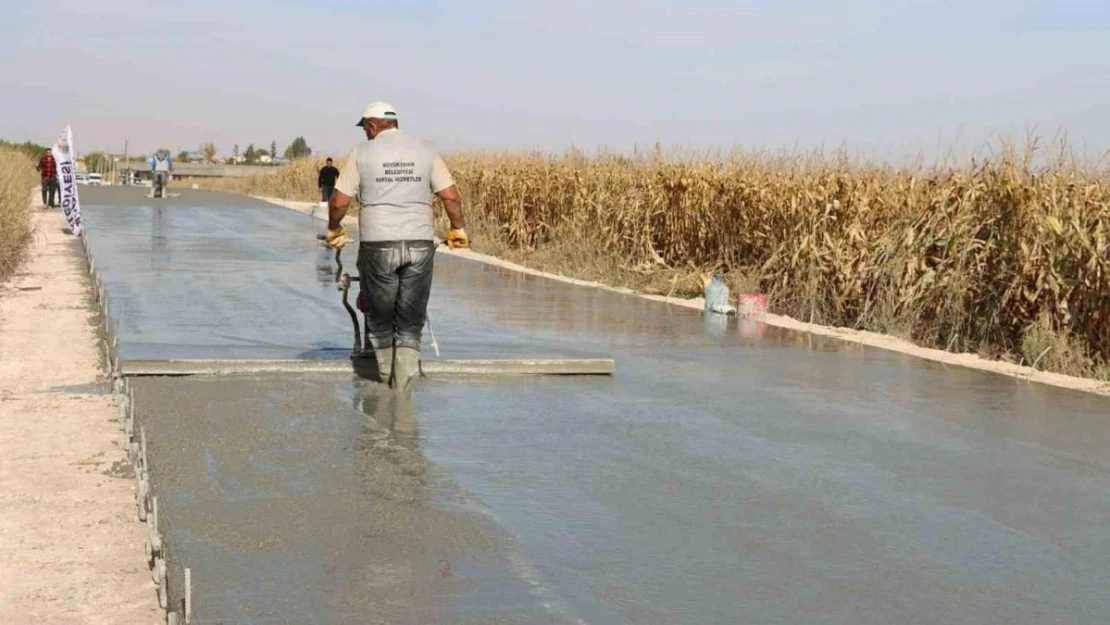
(888, 77)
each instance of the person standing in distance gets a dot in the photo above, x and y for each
(395, 176)
(161, 168)
(48, 172)
(326, 180)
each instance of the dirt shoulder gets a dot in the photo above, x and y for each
(871, 339)
(71, 546)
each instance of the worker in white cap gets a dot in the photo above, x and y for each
(394, 176)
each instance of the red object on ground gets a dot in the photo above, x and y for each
(752, 305)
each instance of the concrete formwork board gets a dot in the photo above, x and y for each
(136, 368)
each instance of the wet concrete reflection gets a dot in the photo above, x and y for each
(389, 413)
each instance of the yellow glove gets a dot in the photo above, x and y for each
(337, 238)
(457, 239)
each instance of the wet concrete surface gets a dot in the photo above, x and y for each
(728, 473)
(212, 276)
(296, 500)
(194, 277)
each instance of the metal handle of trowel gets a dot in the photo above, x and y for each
(344, 281)
(339, 266)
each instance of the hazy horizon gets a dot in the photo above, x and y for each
(885, 79)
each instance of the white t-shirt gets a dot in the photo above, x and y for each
(395, 177)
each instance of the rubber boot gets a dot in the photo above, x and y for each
(385, 363)
(406, 369)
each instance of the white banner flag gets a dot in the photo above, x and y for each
(65, 157)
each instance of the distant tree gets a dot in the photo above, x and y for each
(298, 149)
(182, 157)
(250, 155)
(209, 150)
(273, 149)
(33, 150)
(235, 151)
(97, 162)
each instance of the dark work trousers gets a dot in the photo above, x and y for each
(49, 189)
(396, 277)
(161, 181)
(325, 193)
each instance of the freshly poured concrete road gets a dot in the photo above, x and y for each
(728, 473)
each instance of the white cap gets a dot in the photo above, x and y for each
(378, 110)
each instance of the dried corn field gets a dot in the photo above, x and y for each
(1001, 258)
(292, 182)
(17, 176)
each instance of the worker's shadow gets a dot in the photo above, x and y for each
(367, 368)
(327, 273)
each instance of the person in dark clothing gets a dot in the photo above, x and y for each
(326, 180)
(48, 171)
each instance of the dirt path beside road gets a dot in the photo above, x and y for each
(71, 546)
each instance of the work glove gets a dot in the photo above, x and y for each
(337, 238)
(457, 239)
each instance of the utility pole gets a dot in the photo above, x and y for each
(126, 163)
